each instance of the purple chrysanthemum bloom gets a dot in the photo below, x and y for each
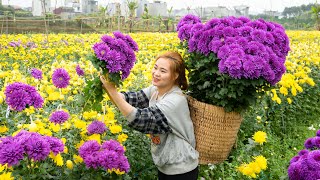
(11, 152)
(184, 32)
(233, 62)
(36, 73)
(303, 152)
(316, 142)
(295, 171)
(237, 23)
(31, 45)
(79, 71)
(108, 159)
(15, 44)
(56, 145)
(101, 49)
(60, 78)
(113, 145)
(88, 148)
(212, 23)
(245, 31)
(223, 52)
(107, 39)
(313, 160)
(258, 35)
(126, 38)
(96, 127)
(294, 159)
(249, 69)
(308, 143)
(229, 31)
(123, 164)
(214, 45)
(188, 19)
(59, 117)
(37, 148)
(113, 59)
(92, 160)
(19, 96)
(318, 133)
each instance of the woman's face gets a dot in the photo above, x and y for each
(162, 75)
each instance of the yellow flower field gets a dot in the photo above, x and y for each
(20, 53)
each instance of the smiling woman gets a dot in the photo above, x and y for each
(162, 111)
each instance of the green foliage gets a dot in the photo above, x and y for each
(208, 85)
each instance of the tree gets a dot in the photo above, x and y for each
(132, 6)
(316, 13)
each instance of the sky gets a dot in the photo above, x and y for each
(255, 6)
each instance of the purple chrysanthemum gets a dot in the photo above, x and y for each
(113, 146)
(308, 143)
(318, 133)
(117, 53)
(96, 127)
(79, 71)
(127, 39)
(34, 145)
(255, 38)
(56, 145)
(108, 159)
(19, 96)
(316, 142)
(60, 78)
(59, 117)
(188, 19)
(108, 156)
(37, 148)
(89, 148)
(123, 164)
(295, 171)
(313, 160)
(303, 152)
(36, 73)
(11, 152)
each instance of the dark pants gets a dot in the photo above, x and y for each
(192, 175)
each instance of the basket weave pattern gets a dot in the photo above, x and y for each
(215, 130)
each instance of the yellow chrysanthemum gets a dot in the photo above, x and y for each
(255, 167)
(289, 100)
(114, 129)
(80, 124)
(260, 137)
(6, 176)
(96, 137)
(77, 159)
(261, 161)
(122, 138)
(3, 129)
(90, 115)
(69, 164)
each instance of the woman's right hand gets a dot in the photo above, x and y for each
(107, 85)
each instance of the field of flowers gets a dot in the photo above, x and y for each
(272, 133)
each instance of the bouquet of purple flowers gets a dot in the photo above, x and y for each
(113, 57)
(231, 60)
(306, 165)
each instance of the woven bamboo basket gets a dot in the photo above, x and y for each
(215, 130)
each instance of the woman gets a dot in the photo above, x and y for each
(161, 110)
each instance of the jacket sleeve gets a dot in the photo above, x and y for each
(149, 120)
(137, 99)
